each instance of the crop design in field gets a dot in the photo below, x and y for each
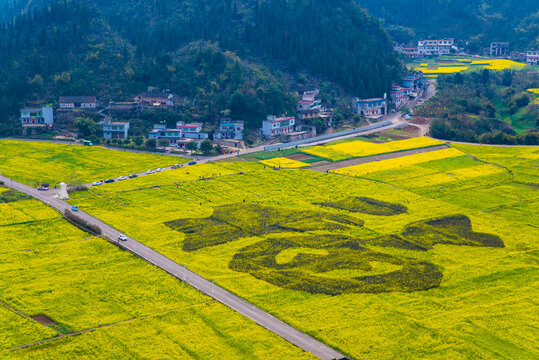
(347, 266)
(231, 222)
(366, 205)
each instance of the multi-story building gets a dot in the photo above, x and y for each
(532, 57)
(410, 52)
(499, 49)
(399, 95)
(274, 126)
(369, 107)
(434, 47)
(161, 132)
(37, 117)
(78, 102)
(115, 130)
(192, 130)
(414, 81)
(230, 129)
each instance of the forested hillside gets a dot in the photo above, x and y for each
(478, 21)
(118, 48)
(487, 107)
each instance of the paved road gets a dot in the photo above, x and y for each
(225, 297)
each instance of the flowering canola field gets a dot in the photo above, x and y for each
(34, 162)
(479, 294)
(82, 283)
(282, 162)
(358, 148)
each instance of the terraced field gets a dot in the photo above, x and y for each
(106, 303)
(431, 256)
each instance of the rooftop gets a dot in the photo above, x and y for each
(78, 99)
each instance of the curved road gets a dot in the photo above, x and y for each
(207, 287)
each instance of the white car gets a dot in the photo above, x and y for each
(97, 183)
(122, 178)
(158, 170)
(150, 172)
(122, 237)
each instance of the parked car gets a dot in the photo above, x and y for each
(191, 162)
(108, 181)
(133, 176)
(175, 166)
(159, 170)
(43, 188)
(150, 172)
(122, 237)
(122, 178)
(75, 208)
(97, 183)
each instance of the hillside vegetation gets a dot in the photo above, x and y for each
(479, 21)
(84, 47)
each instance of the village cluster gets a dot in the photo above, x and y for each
(231, 131)
(434, 48)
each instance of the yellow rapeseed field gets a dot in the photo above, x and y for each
(282, 162)
(401, 162)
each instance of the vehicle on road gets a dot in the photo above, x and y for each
(108, 181)
(150, 172)
(122, 237)
(159, 170)
(133, 176)
(87, 143)
(75, 208)
(122, 178)
(43, 188)
(97, 183)
(175, 166)
(191, 162)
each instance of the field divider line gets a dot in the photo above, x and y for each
(17, 311)
(81, 332)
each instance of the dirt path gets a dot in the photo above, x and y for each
(368, 159)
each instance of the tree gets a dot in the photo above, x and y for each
(139, 140)
(163, 142)
(191, 146)
(151, 143)
(206, 146)
(86, 126)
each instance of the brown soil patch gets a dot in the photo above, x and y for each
(406, 131)
(43, 320)
(419, 120)
(299, 157)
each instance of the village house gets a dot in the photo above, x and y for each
(275, 126)
(415, 81)
(499, 49)
(115, 130)
(160, 131)
(399, 95)
(369, 107)
(309, 106)
(434, 47)
(37, 117)
(230, 129)
(532, 57)
(78, 102)
(192, 130)
(150, 99)
(411, 52)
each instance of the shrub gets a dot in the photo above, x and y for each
(77, 188)
(82, 224)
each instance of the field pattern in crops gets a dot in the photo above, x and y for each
(282, 162)
(481, 306)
